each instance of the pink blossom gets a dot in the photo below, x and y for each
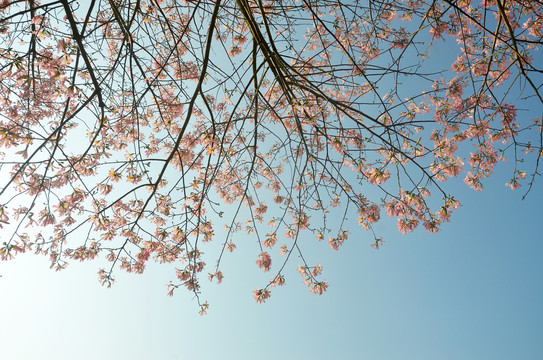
(317, 270)
(336, 242)
(264, 261)
(230, 247)
(279, 280)
(261, 295)
(377, 176)
(270, 240)
(319, 287)
(378, 243)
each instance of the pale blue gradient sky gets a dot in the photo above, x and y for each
(473, 291)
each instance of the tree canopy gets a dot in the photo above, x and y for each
(130, 129)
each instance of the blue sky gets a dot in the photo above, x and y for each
(472, 291)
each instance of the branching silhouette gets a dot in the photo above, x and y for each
(131, 128)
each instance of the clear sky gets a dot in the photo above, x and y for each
(472, 291)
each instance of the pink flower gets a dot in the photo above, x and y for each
(378, 242)
(513, 184)
(279, 280)
(317, 270)
(230, 247)
(261, 295)
(336, 242)
(407, 225)
(377, 176)
(264, 261)
(319, 287)
(218, 275)
(203, 308)
(270, 241)
(261, 209)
